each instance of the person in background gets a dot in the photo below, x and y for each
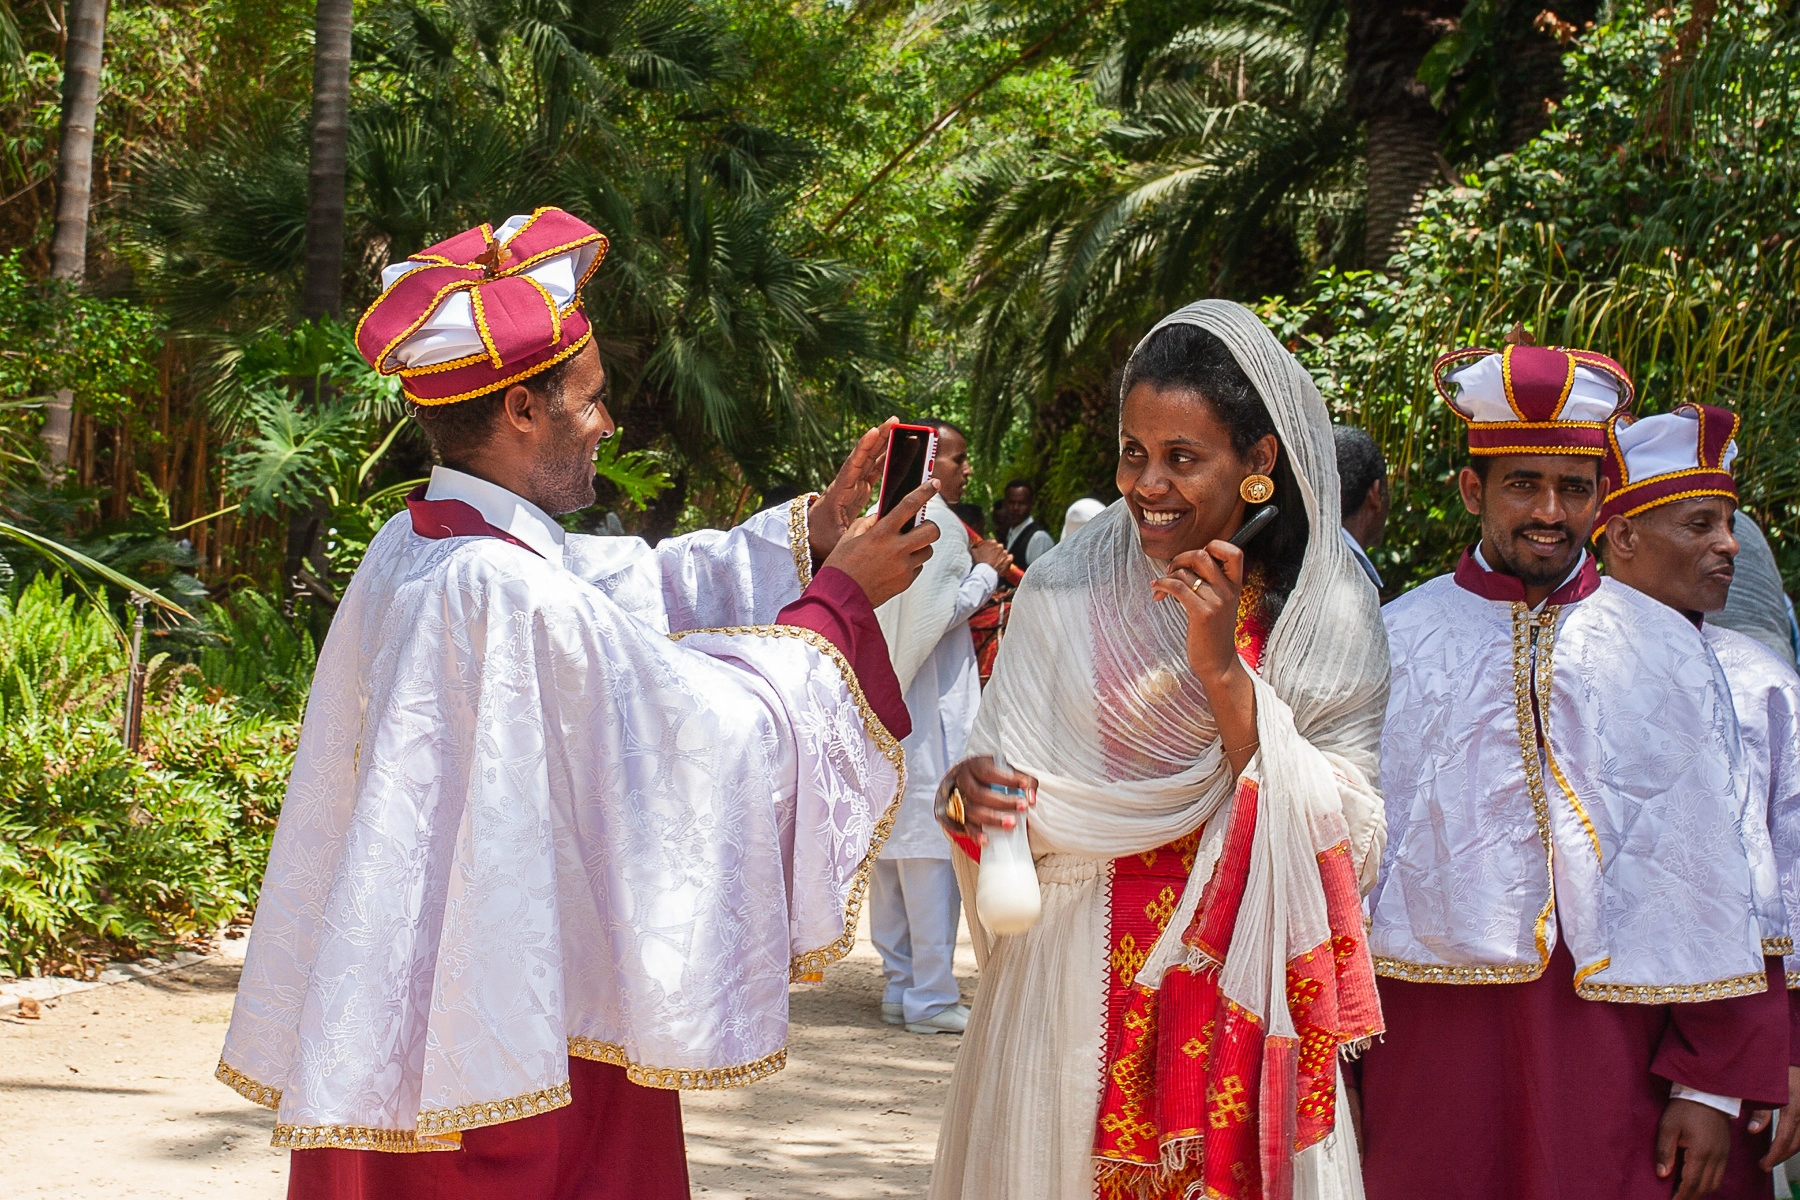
(1758, 605)
(1363, 484)
(1018, 530)
(916, 901)
(1079, 514)
(972, 516)
(1666, 529)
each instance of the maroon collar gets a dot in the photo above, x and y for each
(452, 518)
(1492, 585)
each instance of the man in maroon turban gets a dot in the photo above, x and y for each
(568, 813)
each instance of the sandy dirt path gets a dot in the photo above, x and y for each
(111, 1094)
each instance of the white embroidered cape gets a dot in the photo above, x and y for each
(1624, 832)
(1765, 693)
(525, 823)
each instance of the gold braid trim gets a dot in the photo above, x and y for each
(675, 1078)
(800, 536)
(450, 1122)
(248, 1088)
(1781, 946)
(1675, 993)
(1412, 972)
(1525, 625)
(814, 961)
(359, 1137)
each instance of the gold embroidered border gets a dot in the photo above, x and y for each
(248, 1088)
(1593, 968)
(1781, 946)
(675, 1078)
(1412, 972)
(573, 347)
(442, 1122)
(800, 536)
(813, 961)
(1524, 622)
(359, 1137)
(1568, 792)
(1674, 993)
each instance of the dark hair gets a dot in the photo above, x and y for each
(972, 516)
(1016, 483)
(943, 427)
(1360, 463)
(1190, 358)
(456, 430)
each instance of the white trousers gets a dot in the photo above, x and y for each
(913, 922)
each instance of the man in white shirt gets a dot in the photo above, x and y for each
(916, 901)
(1018, 530)
(567, 813)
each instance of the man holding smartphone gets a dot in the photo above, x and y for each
(568, 813)
(916, 901)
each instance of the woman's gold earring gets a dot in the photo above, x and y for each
(1256, 488)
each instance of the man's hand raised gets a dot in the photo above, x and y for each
(845, 501)
(883, 556)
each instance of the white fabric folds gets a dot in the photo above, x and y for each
(1093, 696)
(524, 823)
(1626, 834)
(1765, 693)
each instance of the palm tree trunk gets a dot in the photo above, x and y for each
(74, 183)
(323, 291)
(1386, 42)
(1402, 158)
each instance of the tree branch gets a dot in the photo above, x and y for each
(944, 118)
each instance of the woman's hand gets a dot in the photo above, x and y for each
(830, 516)
(1207, 583)
(884, 556)
(984, 808)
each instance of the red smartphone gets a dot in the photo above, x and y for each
(911, 453)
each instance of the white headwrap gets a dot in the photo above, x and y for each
(1092, 695)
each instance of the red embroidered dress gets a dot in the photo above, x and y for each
(1197, 1100)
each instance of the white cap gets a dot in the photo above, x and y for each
(1079, 514)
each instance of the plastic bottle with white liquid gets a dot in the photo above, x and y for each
(1006, 882)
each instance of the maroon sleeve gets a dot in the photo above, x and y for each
(1793, 999)
(835, 607)
(1736, 1047)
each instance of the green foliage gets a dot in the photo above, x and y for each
(260, 657)
(53, 337)
(1657, 221)
(101, 851)
(637, 475)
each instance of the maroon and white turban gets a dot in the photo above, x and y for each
(1533, 399)
(1668, 457)
(484, 309)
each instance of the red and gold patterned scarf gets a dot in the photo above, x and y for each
(1198, 1101)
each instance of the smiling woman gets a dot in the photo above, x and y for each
(1178, 709)
(1191, 430)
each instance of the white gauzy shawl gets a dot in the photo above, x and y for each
(524, 823)
(1093, 696)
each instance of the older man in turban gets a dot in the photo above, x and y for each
(567, 812)
(1668, 528)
